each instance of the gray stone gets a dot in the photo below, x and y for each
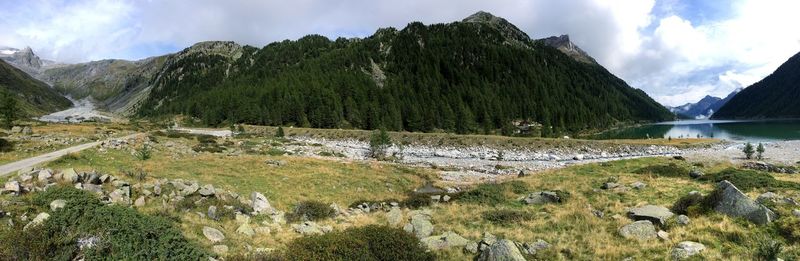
(97, 189)
(639, 230)
(542, 197)
(502, 250)
(93, 178)
(212, 212)
(104, 178)
(532, 247)
(471, 247)
(422, 225)
(656, 214)
(57, 204)
(207, 190)
(38, 220)
(246, 229)
(260, 204)
(44, 175)
(242, 218)
(609, 185)
(70, 175)
(686, 249)
(190, 189)
(311, 228)
(13, 186)
(683, 220)
(770, 197)
(796, 212)
(638, 185)
(663, 235)
(213, 234)
(598, 213)
(120, 196)
(140, 202)
(445, 198)
(220, 249)
(444, 241)
(120, 183)
(732, 202)
(394, 216)
(696, 173)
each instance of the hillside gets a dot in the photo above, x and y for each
(776, 96)
(472, 76)
(35, 97)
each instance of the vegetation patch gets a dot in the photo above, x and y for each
(747, 180)
(506, 217)
(5, 145)
(665, 170)
(311, 210)
(371, 242)
(491, 194)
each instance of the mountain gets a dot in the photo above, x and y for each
(715, 107)
(776, 96)
(34, 97)
(563, 44)
(699, 110)
(475, 75)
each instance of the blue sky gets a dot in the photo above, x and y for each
(676, 50)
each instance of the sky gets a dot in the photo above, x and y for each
(677, 51)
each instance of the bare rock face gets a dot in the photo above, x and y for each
(563, 44)
(512, 34)
(639, 230)
(502, 250)
(730, 201)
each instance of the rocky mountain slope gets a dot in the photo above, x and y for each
(35, 97)
(776, 96)
(704, 108)
(563, 44)
(407, 79)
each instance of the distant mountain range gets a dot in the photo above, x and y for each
(474, 75)
(704, 108)
(34, 97)
(776, 96)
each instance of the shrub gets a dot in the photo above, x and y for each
(767, 249)
(506, 217)
(760, 150)
(143, 152)
(5, 145)
(203, 138)
(124, 233)
(682, 205)
(748, 150)
(67, 158)
(279, 132)
(788, 227)
(379, 143)
(747, 180)
(494, 193)
(311, 210)
(371, 242)
(667, 170)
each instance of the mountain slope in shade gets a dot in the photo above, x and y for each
(35, 97)
(698, 110)
(715, 107)
(776, 96)
(467, 76)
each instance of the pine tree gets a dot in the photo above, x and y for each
(748, 150)
(760, 149)
(8, 109)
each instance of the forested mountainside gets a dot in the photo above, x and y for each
(776, 96)
(471, 76)
(33, 96)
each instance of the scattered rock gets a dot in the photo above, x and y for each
(421, 225)
(260, 204)
(220, 249)
(532, 247)
(44, 175)
(57, 204)
(38, 220)
(311, 228)
(656, 214)
(609, 185)
(542, 197)
(139, 202)
(207, 190)
(638, 185)
(246, 229)
(88, 242)
(69, 175)
(242, 218)
(471, 247)
(213, 234)
(578, 157)
(796, 212)
(502, 250)
(663, 235)
(769, 197)
(639, 230)
(394, 216)
(212, 212)
(190, 189)
(683, 220)
(696, 173)
(443, 241)
(13, 187)
(732, 202)
(763, 166)
(686, 249)
(598, 213)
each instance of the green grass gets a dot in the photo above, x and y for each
(748, 180)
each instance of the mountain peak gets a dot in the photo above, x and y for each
(509, 30)
(563, 44)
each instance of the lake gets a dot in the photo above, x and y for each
(752, 130)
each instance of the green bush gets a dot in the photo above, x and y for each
(5, 145)
(747, 180)
(379, 143)
(788, 226)
(767, 249)
(667, 170)
(371, 242)
(311, 210)
(506, 217)
(682, 205)
(492, 193)
(124, 233)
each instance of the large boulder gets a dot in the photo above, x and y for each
(311, 228)
(729, 200)
(70, 175)
(394, 216)
(44, 175)
(656, 214)
(443, 241)
(213, 234)
(530, 248)
(686, 249)
(502, 250)
(13, 187)
(207, 190)
(639, 230)
(542, 197)
(260, 204)
(420, 225)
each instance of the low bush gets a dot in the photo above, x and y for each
(208, 147)
(493, 193)
(5, 145)
(371, 242)
(788, 226)
(667, 170)
(747, 180)
(767, 249)
(123, 233)
(67, 158)
(203, 138)
(311, 210)
(506, 217)
(682, 205)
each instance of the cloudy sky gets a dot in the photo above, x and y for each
(676, 50)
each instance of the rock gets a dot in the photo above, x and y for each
(213, 234)
(260, 204)
(598, 213)
(311, 228)
(246, 229)
(27, 130)
(97, 189)
(220, 249)
(120, 183)
(696, 173)
(120, 196)
(769, 197)
(394, 216)
(278, 217)
(609, 185)
(104, 178)
(502, 250)
(13, 187)
(57, 204)
(207, 190)
(242, 218)
(471, 247)
(93, 178)
(638, 185)
(44, 175)
(763, 166)
(190, 189)
(796, 212)
(521, 174)
(16, 129)
(422, 226)
(656, 214)
(686, 249)
(139, 202)
(443, 241)
(578, 157)
(542, 197)
(678, 157)
(732, 202)
(488, 240)
(445, 198)
(683, 220)
(663, 235)
(88, 242)
(212, 213)
(69, 175)
(532, 247)
(639, 230)
(38, 220)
